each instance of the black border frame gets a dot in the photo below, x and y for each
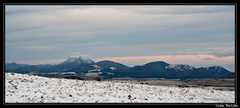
(12, 2)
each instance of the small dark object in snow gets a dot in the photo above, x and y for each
(41, 96)
(145, 99)
(98, 79)
(11, 91)
(70, 95)
(159, 98)
(129, 96)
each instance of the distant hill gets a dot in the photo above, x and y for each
(111, 69)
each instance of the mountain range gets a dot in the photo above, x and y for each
(111, 69)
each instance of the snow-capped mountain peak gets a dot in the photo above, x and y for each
(179, 67)
(79, 60)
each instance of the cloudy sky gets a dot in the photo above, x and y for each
(198, 35)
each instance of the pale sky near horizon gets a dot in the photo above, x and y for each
(198, 35)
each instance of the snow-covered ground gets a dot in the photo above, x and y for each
(34, 89)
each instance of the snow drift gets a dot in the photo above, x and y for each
(23, 88)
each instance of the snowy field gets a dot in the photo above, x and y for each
(34, 89)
